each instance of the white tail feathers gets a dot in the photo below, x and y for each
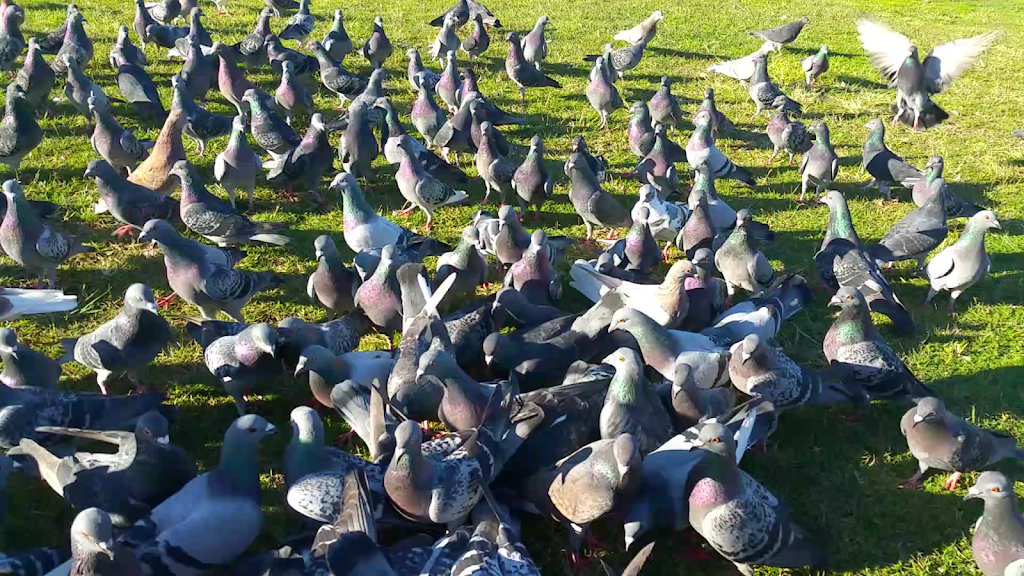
(587, 281)
(15, 303)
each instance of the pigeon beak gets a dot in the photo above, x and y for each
(163, 440)
(745, 356)
(319, 255)
(834, 301)
(419, 373)
(972, 493)
(917, 420)
(488, 359)
(697, 443)
(152, 307)
(12, 350)
(301, 367)
(997, 225)
(107, 548)
(271, 428)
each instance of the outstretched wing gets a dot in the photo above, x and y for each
(947, 61)
(886, 49)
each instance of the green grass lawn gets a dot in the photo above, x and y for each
(840, 479)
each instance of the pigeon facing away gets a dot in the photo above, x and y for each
(915, 235)
(642, 32)
(999, 533)
(24, 366)
(782, 35)
(76, 46)
(535, 45)
(124, 344)
(19, 131)
(521, 72)
(36, 77)
(421, 188)
(16, 302)
(337, 42)
(124, 51)
(786, 134)
(447, 40)
(820, 165)
(741, 69)
(915, 80)
(885, 167)
(80, 87)
(291, 95)
(961, 265)
(533, 276)
(816, 65)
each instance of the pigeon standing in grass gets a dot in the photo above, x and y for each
(961, 265)
(521, 72)
(155, 171)
(466, 262)
(447, 40)
(531, 181)
(291, 95)
(664, 106)
(115, 144)
(421, 188)
(137, 89)
(741, 68)
(336, 78)
(24, 366)
(665, 219)
(230, 80)
(237, 166)
(268, 129)
(720, 125)
(781, 35)
(200, 125)
(998, 542)
(130, 203)
(358, 147)
(915, 81)
(77, 45)
(598, 164)
(80, 87)
(885, 167)
(278, 7)
(741, 264)
(640, 132)
(642, 32)
(300, 25)
(923, 188)
(658, 168)
(36, 77)
(31, 243)
(164, 11)
(303, 168)
(764, 92)
(624, 59)
(126, 343)
(332, 285)
(240, 361)
(449, 84)
(533, 276)
(820, 165)
(478, 40)
(252, 50)
(416, 67)
(632, 406)
(426, 115)
(786, 134)
(377, 47)
(496, 170)
(20, 134)
(915, 235)
(701, 150)
(125, 51)
(51, 42)
(535, 45)
(816, 65)
(602, 94)
(379, 296)
(336, 41)
(594, 205)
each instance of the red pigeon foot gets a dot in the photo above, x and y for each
(166, 300)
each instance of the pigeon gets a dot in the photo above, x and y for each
(237, 166)
(496, 170)
(762, 315)
(466, 262)
(471, 91)
(448, 85)
(377, 47)
(962, 264)
(742, 69)
(742, 265)
(665, 219)
(24, 366)
(521, 72)
(624, 59)
(594, 205)
(641, 250)
(217, 220)
(51, 42)
(943, 441)
(79, 87)
(719, 123)
(230, 80)
(20, 134)
(664, 106)
(701, 149)
(854, 346)
(358, 147)
(820, 165)
(466, 9)
(518, 310)
(782, 35)
(690, 404)
(478, 41)
(999, 533)
(393, 152)
(915, 81)
(421, 188)
(665, 303)
(115, 144)
(155, 171)
(379, 295)
(33, 244)
(658, 168)
(815, 65)
(164, 11)
(699, 230)
(201, 125)
(531, 181)
(632, 406)
(131, 204)
(270, 132)
(278, 54)
(416, 67)
(300, 25)
(447, 40)
(339, 336)
(337, 42)
(17, 302)
(465, 401)
(124, 51)
(602, 94)
(915, 235)
(885, 167)
(786, 134)
(137, 89)
(166, 36)
(35, 76)
(332, 285)
(640, 132)
(764, 92)
(336, 78)
(202, 275)
(642, 32)
(278, 7)
(535, 45)
(739, 517)
(723, 217)
(241, 360)
(662, 348)
(326, 371)
(922, 191)
(76, 45)
(533, 276)
(426, 115)
(291, 95)
(94, 552)
(252, 50)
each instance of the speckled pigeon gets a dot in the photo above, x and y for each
(658, 168)
(130, 203)
(271, 132)
(665, 219)
(377, 47)
(336, 41)
(200, 124)
(664, 106)
(701, 149)
(820, 165)
(999, 534)
(602, 94)
(690, 404)
(19, 131)
(240, 361)
(786, 134)
(915, 235)
(961, 265)
(885, 167)
(237, 166)
(534, 44)
(336, 78)
(24, 366)
(199, 71)
(521, 72)
(624, 59)
(421, 188)
(332, 285)
(416, 67)
(741, 264)
(478, 41)
(594, 205)
(36, 77)
(764, 92)
(781, 35)
(252, 50)
(741, 69)
(531, 181)
(533, 275)
(300, 25)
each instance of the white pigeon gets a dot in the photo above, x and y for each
(741, 68)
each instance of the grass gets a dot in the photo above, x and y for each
(840, 479)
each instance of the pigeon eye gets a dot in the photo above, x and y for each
(996, 490)
(932, 414)
(621, 359)
(251, 430)
(987, 218)
(716, 439)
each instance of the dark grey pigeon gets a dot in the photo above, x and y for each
(535, 45)
(624, 59)
(521, 72)
(332, 285)
(764, 92)
(641, 252)
(377, 47)
(640, 132)
(124, 51)
(664, 106)
(943, 441)
(820, 165)
(164, 11)
(237, 166)
(785, 134)
(466, 262)
(596, 206)
(743, 265)
(230, 80)
(240, 361)
(922, 191)
(36, 77)
(478, 114)
(271, 132)
(782, 35)
(815, 65)
(124, 344)
(31, 243)
(533, 274)
(336, 78)
(252, 50)
(379, 295)
(885, 168)
(393, 151)
(115, 144)
(690, 404)
(278, 54)
(130, 203)
(77, 45)
(961, 265)
(302, 170)
(201, 125)
(915, 81)
(142, 21)
(202, 275)
(999, 533)
(496, 170)
(449, 84)
(358, 147)
(632, 406)
(166, 36)
(51, 42)
(426, 115)
(720, 125)
(531, 181)
(701, 150)
(602, 94)
(80, 87)
(658, 168)
(337, 42)
(137, 89)
(199, 71)
(915, 235)
(20, 134)
(24, 366)
(326, 371)
(478, 41)
(94, 552)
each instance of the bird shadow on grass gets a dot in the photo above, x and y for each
(557, 69)
(685, 54)
(861, 82)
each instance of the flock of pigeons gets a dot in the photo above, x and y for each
(642, 406)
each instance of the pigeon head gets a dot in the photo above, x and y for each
(153, 427)
(702, 257)
(847, 297)
(471, 236)
(661, 131)
(486, 127)
(622, 359)
(702, 118)
(935, 163)
(122, 35)
(984, 220)
(92, 533)
(832, 198)
(8, 342)
(875, 125)
(991, 486)
(779, 102)
(378, 22)
(930, 410)
(313, 359)
(657, 16)
(139, 296)
(306, 425)
(218, 48)
(638, 108)
(718, 439)
(317, 121)
(247, 432)
(819, 128)
(387, 254)
(628, 319)
(408, 438)
(682, 375)
(626, 453)
(324, 246)
(99, 169)
(538, 239)
(747, 346)
(491, 346)
(181, 169)
(742, 218)
(543, 21)
(345, 183)
(536, 143)
(12, 189)
(264, 337)
(579, 144)
(643, 214)
(157, 231)
(512, 38)
(709, 93)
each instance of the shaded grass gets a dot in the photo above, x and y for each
(839, 479)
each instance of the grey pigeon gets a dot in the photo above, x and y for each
(416, 67)
(278, 54)
(723, 217)
(115, 144)
(426, 115)
(271, 132)
(124, 344)
(699, 230)
(449, 84)
(853, 345)
(533, 275)
(915, 235)
(962, 264)
(240, 361)
(337, 42)
(215, 517)
(922, 191)
(690, 404)
(377, 47)
(742, 265)
(642, 32)
(301, 170)
(640, 132)
(19, 131)
(720, 125)
(77, 45)
(140, 23)
(18, 302)
(379, 295)
(641, 249)
(332, 285)
(80, 87)
(915, 81)
(393, 151)
(764, 92)
(632, 406)
(602, 94)
(665, 303)
(885, 167)
(465, 9)
(421, 188)
(820, 165)
(781, 35)
(278, 7)
(521, 72)
(202, 275)
(447, 40)
(999, 533)
(594, 205)
(237, 166)
(199, 71)
(815, 65)
(763, 314)
(94, 552)
(336, 78)
(609, 71)
(252, 50)
(339, 336)
(166, 36)
(466, 262)
(701, 149)
(125, 51)
(743, 521)
(665, 219)
(300, 25)
(626, 58)
(516, 309)
(455, 135)
(164, 11)
(51, 42)
(706, 292)
(215, 219)
(358, 147)
(465, 401)
(130, 203)
(658, 168)
(291, 95)
(496, 170)
(200, 125)
(943, 441)
(36, 77)
(478, 41)
(33, 244)
(471, 91)
(785, 134)
(326, 371)
(137, 89)
(535, 45)
(478, 115)
(664, 106)
(531, 181)
(24, 366)
(230, 80)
